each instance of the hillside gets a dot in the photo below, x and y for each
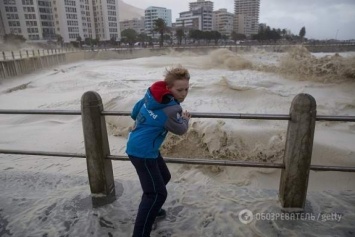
(128, 12)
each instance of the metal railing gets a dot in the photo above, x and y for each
(93, 115)
(192, 161)
(194, 115)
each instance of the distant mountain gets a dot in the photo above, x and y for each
(128, 12)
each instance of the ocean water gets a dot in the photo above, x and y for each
(46, 196)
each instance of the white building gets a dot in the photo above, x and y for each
(136, 24)
(246, 16)
(38, 20)
(106, 19)
(153, 13)
(223, 21)
(33, 19)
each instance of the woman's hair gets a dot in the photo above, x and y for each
(176, 73)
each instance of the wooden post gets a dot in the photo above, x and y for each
(298, 153)
(97, 149)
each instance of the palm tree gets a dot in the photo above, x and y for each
(179, 35)
(160, 26)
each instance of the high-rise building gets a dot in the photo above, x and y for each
(223, 21)
(204, 9)
(106, 18)
(188, 21)
(74, 19)
(246, 16)
(153, 13)
(29, 18)
(199, 16)
(42, 20)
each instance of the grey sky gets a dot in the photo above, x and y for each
(323, 19)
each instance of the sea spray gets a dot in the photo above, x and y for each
(301, 64)
(226, 59)
(218, 139)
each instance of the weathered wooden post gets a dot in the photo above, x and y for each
(298, 153)
(97, 149)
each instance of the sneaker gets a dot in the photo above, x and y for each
(161, 214)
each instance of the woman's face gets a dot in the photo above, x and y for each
(180, 89)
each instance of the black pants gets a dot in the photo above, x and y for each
(153, 175)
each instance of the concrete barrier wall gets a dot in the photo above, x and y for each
(19, 66)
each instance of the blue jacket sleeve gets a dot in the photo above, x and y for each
(137, 107)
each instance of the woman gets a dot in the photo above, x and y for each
(156, 114)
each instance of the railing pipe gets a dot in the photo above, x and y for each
(191, 161)
(194, 115)
(43, 153)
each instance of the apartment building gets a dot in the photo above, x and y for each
(33, 19)
(188, 21)
(223, 22)
(153, 13)
(42, 20)
(136, 24)
(73, 18)
(2, 28)
(205, 10)
(106, 19)
(199, 16)
(246, 16)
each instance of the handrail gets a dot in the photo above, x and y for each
(192, 161)
(42, 153)
(294, 169)
(195, 115)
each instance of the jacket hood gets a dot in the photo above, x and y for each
(158, 90)
(154, 96)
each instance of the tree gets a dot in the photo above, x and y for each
(236, 36)
(161, 28)
(216, 36)
(179, 35)
(59, 39)
(15, 39)
(79, 40)
(129, 36)
(266, 33)
(196, 35)
(284, 32)
(113, 41)
(143, 38)
(302, 32)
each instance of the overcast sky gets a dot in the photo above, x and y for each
(323, 19)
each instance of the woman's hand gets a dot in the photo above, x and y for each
(186, 115)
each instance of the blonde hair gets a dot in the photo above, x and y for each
(176, 73)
